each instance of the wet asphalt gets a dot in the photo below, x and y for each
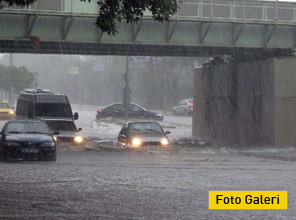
(139, 185)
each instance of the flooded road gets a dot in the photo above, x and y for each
(139, 185)
(105, 183)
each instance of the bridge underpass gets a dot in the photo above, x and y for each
(241, 86)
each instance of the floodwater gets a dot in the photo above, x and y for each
(148, 184)
(138, 185)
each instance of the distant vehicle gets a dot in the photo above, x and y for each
(185, 107)
(54, 109)
(139, 134)
(117, 110)
(29, 139)
(6, 111)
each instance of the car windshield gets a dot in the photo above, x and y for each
(61, 125)
(27, 127)
(145, 127)
(53, 110)
(190, 101)
(4, 105)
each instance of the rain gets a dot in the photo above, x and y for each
(111, 116)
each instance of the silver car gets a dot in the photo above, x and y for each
(185, 107)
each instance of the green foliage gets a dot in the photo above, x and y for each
(19, 78)
(16, 2)
(112, 11)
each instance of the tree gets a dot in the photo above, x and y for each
(19, 78)
(16, 2)
(112, 11)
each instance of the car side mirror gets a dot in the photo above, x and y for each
(55, 133)
(79, 129)
(75, 116)
(167, 132)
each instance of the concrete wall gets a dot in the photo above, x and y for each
(285, 101)
(235, 103)
(247, 103)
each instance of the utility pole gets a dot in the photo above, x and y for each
(11, 88)
(10, 59)
(165, 79)
(126, 90)
(80, 89)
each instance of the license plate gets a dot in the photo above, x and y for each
(30, 151)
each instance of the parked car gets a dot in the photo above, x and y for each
(6, 111)
(27, 139)
(117, 110)
(54, 109)
(139, 134)
(185, 107)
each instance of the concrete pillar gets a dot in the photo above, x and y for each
(234, 102)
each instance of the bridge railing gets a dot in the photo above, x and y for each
(248, 11)
(239, 10)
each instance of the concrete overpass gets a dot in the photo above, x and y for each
(201, 28)
(242, 102)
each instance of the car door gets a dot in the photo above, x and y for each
(120, 111)
(136, 111)
(113, 111)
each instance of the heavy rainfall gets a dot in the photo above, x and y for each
(137, 110)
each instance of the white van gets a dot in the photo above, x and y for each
(54, 109)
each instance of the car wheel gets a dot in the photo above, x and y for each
(186, 113)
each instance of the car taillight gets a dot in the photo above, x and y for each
(191, 106)
(100, 110)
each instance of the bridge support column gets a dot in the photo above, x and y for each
(246, 103)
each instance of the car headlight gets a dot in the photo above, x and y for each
(158, 114)
(12, 144)
(78, 139)
(55, 138)
(136, 142)
(164, 141)
(48, 144)
(11, 112)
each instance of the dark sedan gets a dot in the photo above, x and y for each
(30, 139)
(135, 111)
(138, 134)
